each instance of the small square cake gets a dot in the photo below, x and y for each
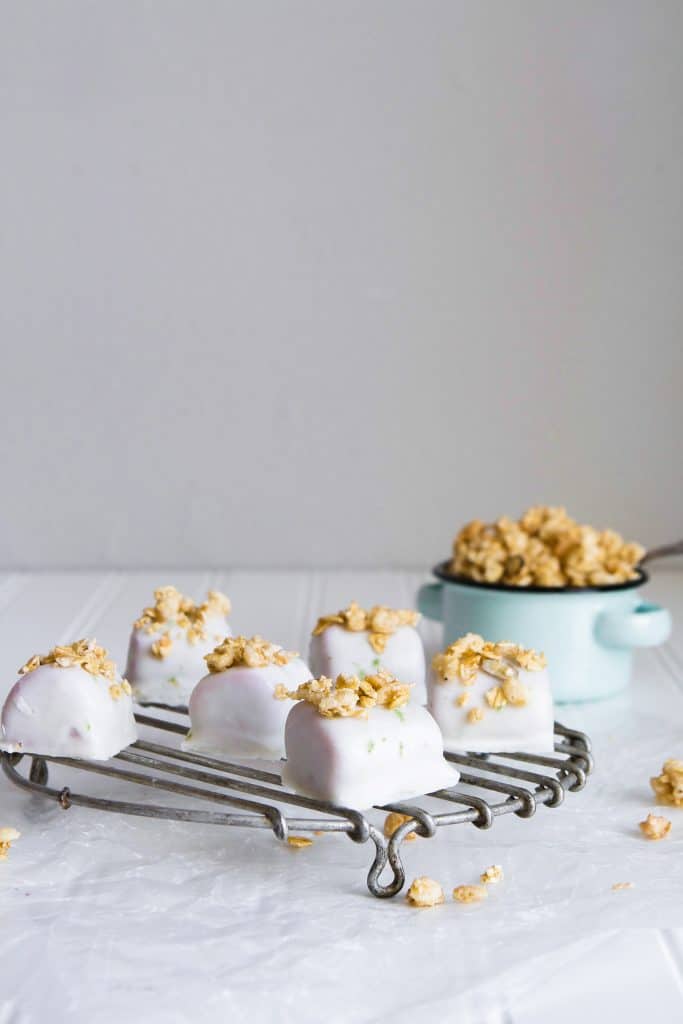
(69, 703)
(169, 643)
(232, 711)
(492, 697)
(357, 642)
(358, 742)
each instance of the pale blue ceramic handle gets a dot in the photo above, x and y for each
(429, 601)
(646, 626)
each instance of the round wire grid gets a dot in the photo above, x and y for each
(249, 797)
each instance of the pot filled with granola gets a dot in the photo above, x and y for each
(555, 585)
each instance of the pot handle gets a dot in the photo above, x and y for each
(647, 625)
(429, 601)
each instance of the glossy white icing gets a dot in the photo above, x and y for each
(234, 713)
(66, 712)
(338, 651)
(171, 680)
(528, 728)
(362, 762)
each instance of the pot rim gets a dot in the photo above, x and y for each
(441, 572)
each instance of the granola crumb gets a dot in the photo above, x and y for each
(619, 886)
(425, 892)
(8, 836)
(655, 826)
(298, 842)
(492, 875)
(668, 786)
(470, 893)
(475, 715)
(394, 821)
(462, 699)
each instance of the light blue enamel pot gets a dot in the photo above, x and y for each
(588, 634)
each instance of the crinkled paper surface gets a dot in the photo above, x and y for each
(112, 918)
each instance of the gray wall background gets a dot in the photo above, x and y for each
(312, 282)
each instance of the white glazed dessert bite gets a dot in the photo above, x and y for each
(359, 743)
(69, 703)
(492, 697)
(169, 643)
(232, 711)
(357, 642)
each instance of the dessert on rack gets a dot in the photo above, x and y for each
(357, 642)
(358, 741)
(491, 697)
(232, 711)
(70, 702)
(169, 642)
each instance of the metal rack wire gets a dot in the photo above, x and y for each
(508, 783)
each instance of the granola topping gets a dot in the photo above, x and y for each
(470, 893)
(655, 826)
(85, 654)
(173, 609)
(545, 548)
(349, 696)
(668, 786)
(425, 892)
(253, 652)
(469, 655)
(380, 622)
(619, 886)
(475, 715)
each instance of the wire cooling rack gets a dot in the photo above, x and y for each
(495, 784)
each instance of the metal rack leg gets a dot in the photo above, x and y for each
(385, 852)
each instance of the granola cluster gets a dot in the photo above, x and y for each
(471, 654)
(668, 786)
(380, 622)
(655, 826)
(469, 893)
(425, 892)
(349, 696)
(84, 653)
(253, 652)
(545, 548)
(393, 821)
(171, 608)
(8, 835)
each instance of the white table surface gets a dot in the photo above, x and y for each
(108, 918)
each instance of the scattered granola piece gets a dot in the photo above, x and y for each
(393, 821)
(492, 875)
(115, 691)
(7, 837)
(298, 842)
(475, 715)
(668, 786)
(544, 548)
(618, 886)
(380, 622)
(655, 826)
(425, 892)
(470, 893)
(462, 699)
